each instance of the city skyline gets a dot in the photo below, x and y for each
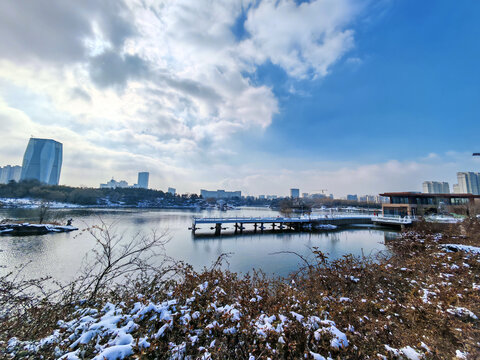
(245, 95)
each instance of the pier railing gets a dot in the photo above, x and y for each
(394, 219)
(298, 223)
(273, 219)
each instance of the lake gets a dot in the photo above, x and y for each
(60, 255)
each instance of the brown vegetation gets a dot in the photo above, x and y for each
(420, 299)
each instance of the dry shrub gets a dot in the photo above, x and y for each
(405, 299)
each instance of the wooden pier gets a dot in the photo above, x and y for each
(261, 224)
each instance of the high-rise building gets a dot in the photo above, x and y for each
(295, 193)
(9, 173)
(468, 183)
(318, 196)
(143, 179)
(172, 191)
(42, 161)
(352, 197)
(368, 198)
(220, 194)
(436, 187)
(456, 189)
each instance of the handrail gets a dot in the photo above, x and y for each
(282, 219)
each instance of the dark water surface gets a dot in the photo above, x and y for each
(60, 255)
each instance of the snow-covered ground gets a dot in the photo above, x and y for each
(459, 247)
(33, 204)
(9, 229)
(443, 219)
(117, 331)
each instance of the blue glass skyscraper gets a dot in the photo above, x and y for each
(43, 161)
(143, 180)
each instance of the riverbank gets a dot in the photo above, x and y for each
(423, 301)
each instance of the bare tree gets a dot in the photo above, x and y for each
(43, 211)
(116, 263)
(115, 258)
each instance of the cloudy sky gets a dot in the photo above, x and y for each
(353, 96)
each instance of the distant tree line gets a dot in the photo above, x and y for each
(85, 196)
(134, 196)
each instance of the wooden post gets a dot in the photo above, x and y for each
(273, 226)
(218, 228)
(255, 227)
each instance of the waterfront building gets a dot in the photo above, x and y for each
(295, 193)
(412, 203)
(436, 187)
(113, 184)
(220, 194)
(468, 183)
(42, 161)
(318, 196)
(368, 199)
(382, 199)
(261, 197)
(172, 191)
(271, 197)
(304, 195)
(9, 173)
(352, 197)
(143, 179)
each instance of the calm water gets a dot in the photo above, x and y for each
(60, 255)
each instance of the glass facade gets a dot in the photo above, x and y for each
(399, 200)
(42, 161)
(424, 200)
(143, 179)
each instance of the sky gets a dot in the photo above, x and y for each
(350, 96)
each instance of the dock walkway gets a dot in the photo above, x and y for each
(293, 223)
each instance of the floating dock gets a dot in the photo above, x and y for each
(304, 223)
(261, 224)
(393, 220)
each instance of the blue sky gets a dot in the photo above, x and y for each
(412, 88)
(354, 96)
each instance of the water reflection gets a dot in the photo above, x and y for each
(60, 255)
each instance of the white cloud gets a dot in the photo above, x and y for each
(301, 39)
(157, 85)
(346, 178)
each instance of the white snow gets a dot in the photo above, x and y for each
(411, 353)
(33, 203)
(464, 248)
(113, 332)
(462, 312)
